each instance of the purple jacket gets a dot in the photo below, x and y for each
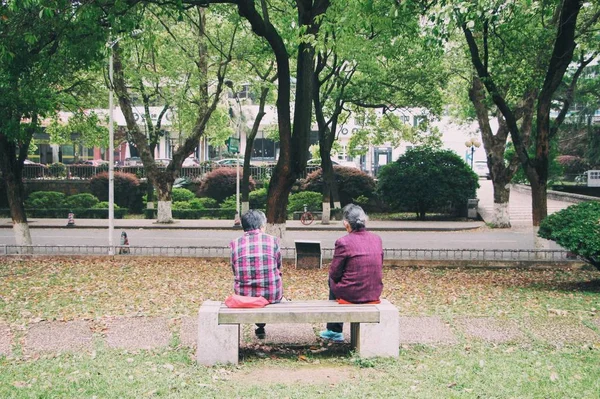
(355, 273)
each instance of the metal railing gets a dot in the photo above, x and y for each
(86, 172)
(504, 255)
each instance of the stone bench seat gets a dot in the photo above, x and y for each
(374, 328)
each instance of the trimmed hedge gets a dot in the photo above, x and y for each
(126, 190)
(215, 213)
(63, 213)
(220, 184)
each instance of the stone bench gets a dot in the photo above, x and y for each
(374, 328)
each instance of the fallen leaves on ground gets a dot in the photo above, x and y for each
(67, 288)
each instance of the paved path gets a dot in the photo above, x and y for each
(519, 205)
(135, 333)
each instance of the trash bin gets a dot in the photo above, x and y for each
(472, 208)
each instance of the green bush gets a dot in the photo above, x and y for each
(229, 203)
(58, 170)
(427, 180)
(577, 229)
(181, 205)
(257, 199)
(203, 203)
(195, 213)
(45, 200)
(351, 182)
(104, 205)
(127, 194)
(220, 184)
(314, 201)
(85, 200)
(182, 194)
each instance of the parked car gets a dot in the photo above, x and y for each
(162, 161)
(481, 169)
(95, 162)
(133, 161)
(335, 162)
(190, 162)
(230, 162)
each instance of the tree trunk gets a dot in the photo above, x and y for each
(163, 191)
(501, 218)
(11, 165)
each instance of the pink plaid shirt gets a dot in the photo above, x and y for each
(256, 264)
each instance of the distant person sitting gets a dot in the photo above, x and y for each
(256, 262)
(356, 271)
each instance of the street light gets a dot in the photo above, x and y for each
(472, 143)
(236, 222)
(111, 141)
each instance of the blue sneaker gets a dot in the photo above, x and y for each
(332, 336)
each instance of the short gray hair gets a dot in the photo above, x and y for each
(355, 216)
(253, 220)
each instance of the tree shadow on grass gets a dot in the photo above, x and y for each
(590, 286)
(257, 351)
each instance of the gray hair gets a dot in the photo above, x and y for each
(253, 220)
(355, 216)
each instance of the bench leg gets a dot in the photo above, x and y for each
(216, 343)
(378, 339)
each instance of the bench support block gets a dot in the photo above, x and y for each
(217, 343)
(378, 339)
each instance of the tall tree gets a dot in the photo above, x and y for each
(44, 47)
(188, 80)
(554, 33)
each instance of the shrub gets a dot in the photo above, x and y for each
(220, 184)
(427, 180)
(229, 203)
(577, 229)
(182, 194)
(45, 200)
(181, 205)
(104, 205)
(85, 200)
(313, 201)
(58, 170)
(258, 198)
(351, 183)
(126, 189)
(203, 203)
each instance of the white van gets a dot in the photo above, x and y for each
(482, 170)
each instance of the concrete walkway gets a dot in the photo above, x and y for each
(216, 224)
(139, 333)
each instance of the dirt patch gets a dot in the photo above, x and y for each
(425, 330)
(5, 339)
(59, 336)
(489, 329)
(560, 330)
(307, 374)
(137, 333)
(189, 331)
(297, 334)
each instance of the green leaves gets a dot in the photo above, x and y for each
(577, 229)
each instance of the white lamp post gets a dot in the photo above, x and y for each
(472, 143)
(236, 222)
(111, 142)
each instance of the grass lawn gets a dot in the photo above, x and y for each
(93, 288)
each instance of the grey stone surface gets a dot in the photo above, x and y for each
(489, 329)
(560, 330)
(56, 336)
(5, 339)
(189, 331)
(379, 339)
(217, 343)
(425, 330)
(137, 333)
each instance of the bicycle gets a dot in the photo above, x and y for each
(307, 217)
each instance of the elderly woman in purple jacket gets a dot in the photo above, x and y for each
(355, 273)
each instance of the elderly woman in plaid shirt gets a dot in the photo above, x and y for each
(256, 262)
